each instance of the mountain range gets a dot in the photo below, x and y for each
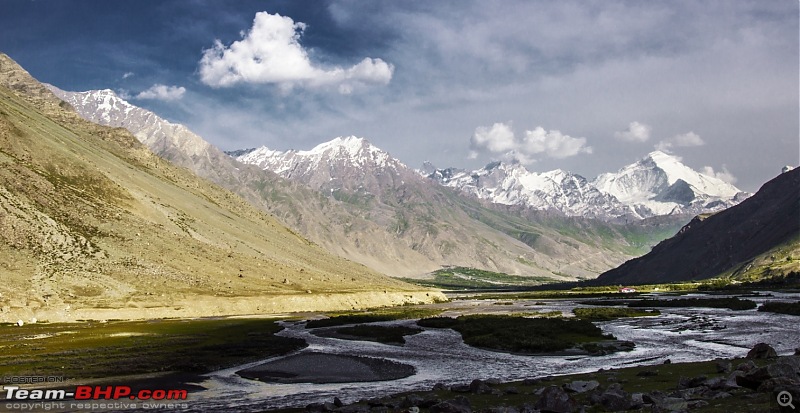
(94, 225)
(656, 185)
(357, 201)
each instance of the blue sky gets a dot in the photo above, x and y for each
(587, 86)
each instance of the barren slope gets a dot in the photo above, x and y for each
(94, 225)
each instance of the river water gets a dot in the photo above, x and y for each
(440, 356)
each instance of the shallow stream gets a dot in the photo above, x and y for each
(440, 356)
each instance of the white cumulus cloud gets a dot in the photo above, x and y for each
(723, 175)
(162, 92)
(500, 139)
(682, 140)
(271, 53)
(636, 132)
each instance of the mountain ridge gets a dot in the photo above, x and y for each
(758, 238)
(95, 226)
(377, 211)
(654, 185)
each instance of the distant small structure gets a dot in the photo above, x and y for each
(786, 168)
(627, 290)
(20, 323)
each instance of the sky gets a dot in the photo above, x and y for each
(585, 86)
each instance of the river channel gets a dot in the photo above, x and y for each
(440, 356)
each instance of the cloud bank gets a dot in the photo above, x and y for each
(723, 175)
(500, 139)
(162, 92)
(271, 53)
(636, 132)
(684, 140)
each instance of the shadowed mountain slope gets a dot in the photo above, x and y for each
(759, 238)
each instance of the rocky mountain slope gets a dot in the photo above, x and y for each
(94, 225)
(759, 238)
(357, 201)
(352, 169)
(657, 185)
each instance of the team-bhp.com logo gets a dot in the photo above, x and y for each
(94, 393)
(87, 397)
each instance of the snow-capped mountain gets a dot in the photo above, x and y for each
(658, 184)
(106, 108)
(344, 163)
(512, 184)
(374, 209)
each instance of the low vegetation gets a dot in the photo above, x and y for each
(381, 334)
(781, 307)
(611, 313)
(520, 334)
(95, 349)
(461, 278)
(374, 316)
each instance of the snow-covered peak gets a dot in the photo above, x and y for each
(351, 145)
(344, 163)
(259, 153)
(107, 108)
(513, 184)
(351, 150)
(647, 178)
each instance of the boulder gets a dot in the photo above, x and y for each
(762, 351)
(458, 405)
(554, 399)
(412, 400)
(724, 366)
(747, 366)
(637, 400)
(671, 404)
(754, 379)
(777, 384)
(792, 361)
(479, 387)
(615, 399)
(580, 386)
(688, 383)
